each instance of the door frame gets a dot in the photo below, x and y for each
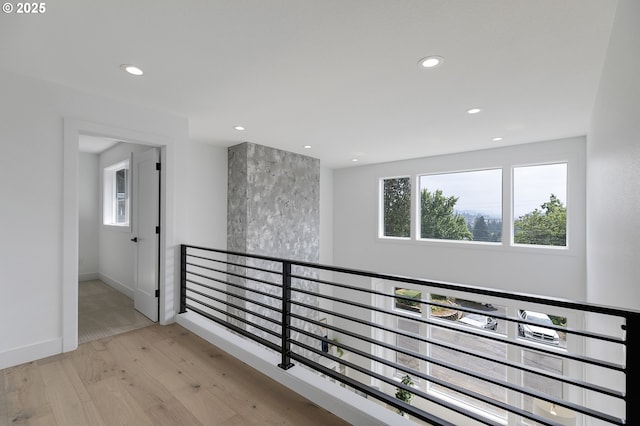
(73, 128)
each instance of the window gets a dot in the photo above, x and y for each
(396, 207)
(116, 190)
(539, 209)
(467, 206)
(462, 206)
(404, 301)
(447, 311)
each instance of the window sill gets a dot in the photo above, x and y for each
(117, 228)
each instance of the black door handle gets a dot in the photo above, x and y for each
(134, 239)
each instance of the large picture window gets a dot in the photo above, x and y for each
(462, 206)
(116, 194)
(468, 206)
(539, 205)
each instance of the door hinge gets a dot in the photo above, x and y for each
(157, 293)
(158, 166)
(157, 229)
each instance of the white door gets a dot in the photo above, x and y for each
(146, 196)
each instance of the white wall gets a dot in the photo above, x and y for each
(201, 195)
(89, 217)
(613, 169)
(36, 235)
(116, 250)
(326, 215)
(551, 272)
(613, 176)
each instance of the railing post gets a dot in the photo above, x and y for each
(632, 367)
(183, 278)
(285, 346)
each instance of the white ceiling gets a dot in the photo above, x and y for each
(95, 144)
(339, 75)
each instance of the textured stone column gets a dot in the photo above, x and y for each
(273, 210)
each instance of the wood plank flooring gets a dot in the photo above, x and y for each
(159, 375)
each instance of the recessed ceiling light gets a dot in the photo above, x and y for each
(355, 160)
(430, 61)
(497, 139)
(473, 110)
(240, 128)
(131, 69)
(307, 147)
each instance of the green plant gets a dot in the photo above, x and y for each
(338, 348)
(403, 394)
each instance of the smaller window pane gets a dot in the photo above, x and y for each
(396, 207)
(482, 318)
(116, 203)
(408, 343)
(121, 182)
(539, 209)
(544, 362)
(404, 303)
(494, 350)
(537, 329)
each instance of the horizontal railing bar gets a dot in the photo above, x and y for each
(501, 383)
(226, 271)
(380, 327)
(228, 303)
(234, 306)
(568, 330)
(240, 265)
(236, 317)
(410, 409)
(563, 303)
(506, 363)
(441, 324)
(244, 277)
(246, 299)
(429, 378)
(377, 394)
(236, 329)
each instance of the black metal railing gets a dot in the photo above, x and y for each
(473, 352)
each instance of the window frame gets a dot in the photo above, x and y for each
(381, 216)
(110, 195)
(572, 156)
(418, 201)
(512, 216)
(408, 315)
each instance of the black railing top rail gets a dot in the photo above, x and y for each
(519, 296)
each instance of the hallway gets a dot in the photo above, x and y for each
(104, 311)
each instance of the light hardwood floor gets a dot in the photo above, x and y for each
(103, 311)
(158, 375)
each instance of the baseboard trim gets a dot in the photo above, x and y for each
(122, 288)
(89, 276)
(28, 353)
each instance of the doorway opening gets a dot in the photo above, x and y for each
(119, 236)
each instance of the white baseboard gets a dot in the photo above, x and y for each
(89, 276)
(122, 288)
(330, 396)
(29, 353)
